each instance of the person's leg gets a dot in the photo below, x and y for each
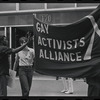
(3, 85)
(70, 86)
(64, 84)
(23, 82)
(57, 78)
(29, 77)
(93, 91)
(70, 83)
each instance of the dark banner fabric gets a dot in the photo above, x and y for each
(68, 51)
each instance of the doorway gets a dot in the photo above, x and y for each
(17, 33)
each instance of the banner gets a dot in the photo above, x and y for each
(68, 51)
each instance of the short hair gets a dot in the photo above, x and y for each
(2, 37)
(22, 40)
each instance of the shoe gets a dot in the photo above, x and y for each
(68, 92)
(63, 91)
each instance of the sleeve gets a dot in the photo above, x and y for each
(16, 62)
(16, 55)
(33, 53)
(8, 51)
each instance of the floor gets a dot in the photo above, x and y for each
(49, 86)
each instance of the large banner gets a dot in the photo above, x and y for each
(68, 51)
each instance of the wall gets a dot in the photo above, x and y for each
(49, 17)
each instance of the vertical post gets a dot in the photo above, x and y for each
(10, 45)
(45, 6)
(10, 38)
(17, 6)
(5, 31)
(75, 5)
(34, 15)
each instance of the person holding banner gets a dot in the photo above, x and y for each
(25, 59)
(5, 51)
(68, 86)
(93, 86)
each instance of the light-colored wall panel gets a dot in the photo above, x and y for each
(2, 32)
(31, 6)
(25, 19)
(7, 6)
(60, 5)
(63, 16)
(86, 4)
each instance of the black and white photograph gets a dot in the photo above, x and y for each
(50, 49)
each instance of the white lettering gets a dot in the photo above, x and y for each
(76, 42)
(55, 55)
(59, 43)
(60, 57)
(78, 58)
(54, 43)
(46, 28)
(42, 29)
(68, 43)
(66, 56)
(38, 26)
(45, 53)
(43, 40)
(71, 56)
(39, 41)
(41, 54)
(49, 42)
(51, 58)
(82, 42)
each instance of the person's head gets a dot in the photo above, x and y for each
(3, 40)
(22, 40)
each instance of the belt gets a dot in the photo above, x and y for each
(26, 66)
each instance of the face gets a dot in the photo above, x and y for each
(5, 41)
(23, 43)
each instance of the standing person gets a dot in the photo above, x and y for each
(25, 59)
(5, 51)
(93, 86)
(68, 86)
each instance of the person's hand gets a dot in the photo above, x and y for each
(28, 35)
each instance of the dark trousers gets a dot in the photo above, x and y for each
(25, 77)
(3, 85)
(93, 86)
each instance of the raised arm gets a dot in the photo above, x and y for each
(21, 47)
